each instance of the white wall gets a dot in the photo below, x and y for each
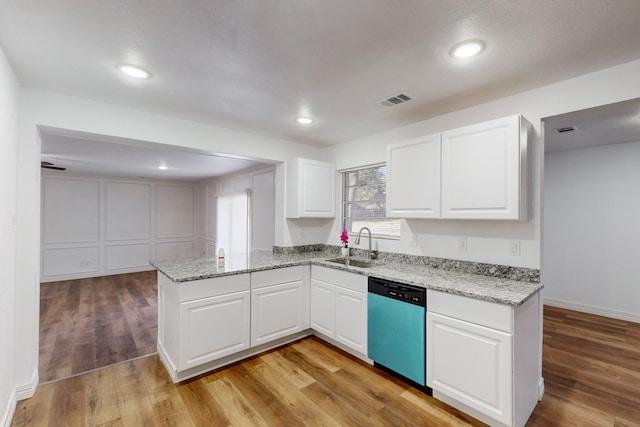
(488, 241)
(591, 230)
(39, 108)
(261, 183)
(9, 92)
(94, 226)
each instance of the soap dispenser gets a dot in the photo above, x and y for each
(221, 257)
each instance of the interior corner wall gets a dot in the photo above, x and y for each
(591, 232)
(487, 240)
(9, 93)
(93, 226)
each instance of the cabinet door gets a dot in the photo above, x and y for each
(351, 318)
(323, 307)
(413, 180)
(277, 311)
(211, 328)
(310, 189)
(471, 364)
(483, 170)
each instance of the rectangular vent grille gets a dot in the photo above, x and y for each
(395, 100)
(566, 129)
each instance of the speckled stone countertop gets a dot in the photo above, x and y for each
(503, 291)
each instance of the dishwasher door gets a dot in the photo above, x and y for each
(397, 336)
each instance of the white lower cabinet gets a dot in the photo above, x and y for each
(214, 327)
(351, 318)
(472, 364)
(323, 307)
(202, 320)
(279, 303)
(484, 356)
(208, 323)
(339, 306)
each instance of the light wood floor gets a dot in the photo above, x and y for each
(307, 383)
(91, 323)
(591, 367)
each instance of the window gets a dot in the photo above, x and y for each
(364, 202)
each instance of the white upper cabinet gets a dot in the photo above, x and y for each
(413, 180)
(484, 170)
(310, 189)
(474, 172)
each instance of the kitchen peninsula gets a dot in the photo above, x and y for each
(483, 332)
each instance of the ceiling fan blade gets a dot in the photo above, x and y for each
(49, 165)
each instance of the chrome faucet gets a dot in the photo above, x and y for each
(357, 242)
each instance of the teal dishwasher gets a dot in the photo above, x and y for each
(396, 329)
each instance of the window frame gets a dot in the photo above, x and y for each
(343, 187)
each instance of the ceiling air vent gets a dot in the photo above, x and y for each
(395, 100)
(566, 129)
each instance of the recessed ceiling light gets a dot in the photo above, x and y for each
(163, 167)
(134, 71)
(467, 49)
(304, 120)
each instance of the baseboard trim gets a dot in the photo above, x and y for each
(27, 391)
(9, 411)
(591, 309)
(540, 389)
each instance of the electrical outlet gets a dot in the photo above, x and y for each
(301, 234)
(514, 248)
(414, 240)
(462, 244)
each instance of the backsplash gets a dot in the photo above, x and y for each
(492, 270)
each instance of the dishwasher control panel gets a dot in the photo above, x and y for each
(398, 291)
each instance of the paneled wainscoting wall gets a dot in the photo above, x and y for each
(96, 226)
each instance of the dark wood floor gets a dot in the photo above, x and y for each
(591, 368)
(91, 323)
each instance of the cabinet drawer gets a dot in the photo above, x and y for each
(260, 279)
(485, 313)
(355, 282)
(206, 288)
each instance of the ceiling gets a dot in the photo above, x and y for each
(255, 65)
(605, 125)
(94, 155)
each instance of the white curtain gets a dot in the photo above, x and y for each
(232, 222)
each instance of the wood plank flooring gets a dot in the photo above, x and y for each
(591, 368)
(307, 383)
(91, 323)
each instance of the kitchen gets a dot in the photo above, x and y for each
(485, 242)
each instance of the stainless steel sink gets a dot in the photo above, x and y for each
(352, 262)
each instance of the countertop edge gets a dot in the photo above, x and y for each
(322, 261)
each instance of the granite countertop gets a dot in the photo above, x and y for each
(503, 291)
